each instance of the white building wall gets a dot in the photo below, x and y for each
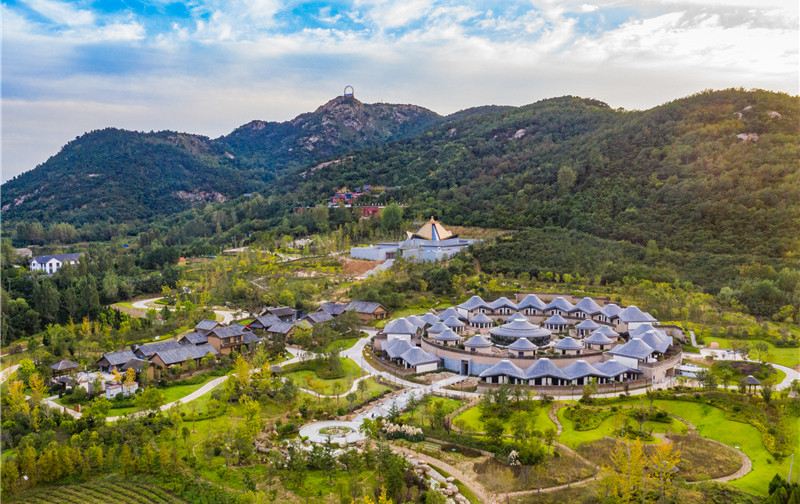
(424, 368)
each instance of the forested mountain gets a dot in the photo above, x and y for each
(715, 173)
(120, 176)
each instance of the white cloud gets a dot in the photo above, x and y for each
(61, 12)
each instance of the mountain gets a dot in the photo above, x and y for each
(118, 176)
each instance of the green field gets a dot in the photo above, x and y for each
(340, 345)
(100, 490)
(469, 420)
(310, 380)
(789, 357)
(712, 423)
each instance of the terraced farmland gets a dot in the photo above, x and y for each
(100, 491)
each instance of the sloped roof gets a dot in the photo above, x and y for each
(415, 356)
(516, 316)
(319, 317)
(608, 331)
(119, 357)
(480, 318)
(59, 257)
(433, 230)
(250, 338)
(400, 326)
(450, 312)
(568, 343)
(504, 368)
(194, 338)
(610, 310)
(281, 311)
(266, 321)
(598, 338)
(437, 328)
(149, 349)
(447, 335)
(183, 353)
(580, 369)
(224, 332)
(363, 306)
(531, 301)
(473, 303)
(135, 363)
(560, 303)
(281, 328)
(655, 340)
(430, 318)
(453, 322)
(502, 301)
(333, 308)
(556, 320)
(641, 329)
(522, 345)
(634, 314)
(588, 324)
(206, 325)
(396, 348)
(64, 365)
(416, 320)
(635, 349)
(612, 368)
(588, 305)
(543, 367)
(478, 341)
(752, 380)
(520, 329)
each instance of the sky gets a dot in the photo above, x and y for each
(208, 66)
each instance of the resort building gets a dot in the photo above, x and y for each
(431, 242)
(539, 340)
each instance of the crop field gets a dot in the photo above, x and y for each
(100, 491)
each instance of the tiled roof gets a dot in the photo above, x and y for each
(543, 367)
(59, 257)
(473, 303)
(319, 317)
(184, 353)
(396, 348)
(531, 301)
(480, 318)
(504, 368)
(501, 302)
(400, 326)
(119, 357)
(587, 324)
(580, 369)
(520, 329)
(64, 365)
(560, 303)
(225, 332)
(522, 345)
(568, 343)
(195, 338)
(453, 321)
(363, 306)
(206, 325)
(635, 348)
(634, 314)
(447, 335)
(588, 305)
(556, 320)
(281, 328)
(415, 356)
(148, 349)
(478, 341)
(598, 338)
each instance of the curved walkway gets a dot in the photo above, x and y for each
(4, 374)
(791, 374)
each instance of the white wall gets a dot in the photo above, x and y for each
(424, 368)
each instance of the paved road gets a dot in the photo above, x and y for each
(227, 316)
(4, 374)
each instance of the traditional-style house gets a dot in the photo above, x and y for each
(318, 317)
(281, 330)
(400, 329)
(333, 308)
(504, 371)
(368, 311)
(206, 326)
(284, 313)
(64, 367)
(52, 263)
(559, 306)
(568, 346)
(478, 344)
(234, 337)
(179, 356)
(115, 360)
(521, 348)
(531, 305)
(586, 308)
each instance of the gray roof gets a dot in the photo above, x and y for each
(363, 306)
(641, 329)
(568, 343)
(453, 322)
(400, 326)
(149, 349)
(473, 303)
(588, 305)
(450, 312)
(587, 324)
(557, 320)
(522, 345)
(752, 380)
(608, 331)
(119, 357)
(59, 257)
(516, 316)
(206, 325)
(503, 301)
(610, 310)
(265, 321)
(396, 348)
(333, 308)
(447, 335)
(195, 338)
(319, 317)
(655, 340)
(415, 356)
(504, 368)
(531, 301)
(580, 369)
(634, 314)
(480, 318)
(281, 328)
(64, 365)
(281, 311)
(635, 348)
(437, 328)
(598, 338)
(561, 304)
(250, 338)
(520, 329)
(477, 341)
(543, 367)
(416, 320)
(430, 318)
(135, 363)
(612, 368)
(184, 353)
(224, 332)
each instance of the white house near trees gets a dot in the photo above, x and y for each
(52, 263)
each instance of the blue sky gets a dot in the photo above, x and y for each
(207, 66)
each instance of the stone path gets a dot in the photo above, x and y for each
(4, 374)
(552, 413)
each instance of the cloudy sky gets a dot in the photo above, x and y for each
(207, 66)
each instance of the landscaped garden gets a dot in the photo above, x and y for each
(330, 375)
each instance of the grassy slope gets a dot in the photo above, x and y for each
(310, 380)
(789, 357)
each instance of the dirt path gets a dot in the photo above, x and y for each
(553, 415)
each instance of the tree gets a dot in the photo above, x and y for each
(150, 399)
(626, 479)
(760, 350)
(242, 372)
(663, 461)
(46, 300)
(17, 403)
(362, 387)
(130, 377)
(494, 430)
(26, 369)
(566, 178)
(392, 218)
(38, 388)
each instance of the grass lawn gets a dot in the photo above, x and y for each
(310, 380)
(417, 415)
(469, 420)
(340, 345)
(712, 423)
(789, 357)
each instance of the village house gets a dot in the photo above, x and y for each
(232, 338)
(52, 263)
(368, 310)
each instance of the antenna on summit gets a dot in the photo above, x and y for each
(349, 92)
